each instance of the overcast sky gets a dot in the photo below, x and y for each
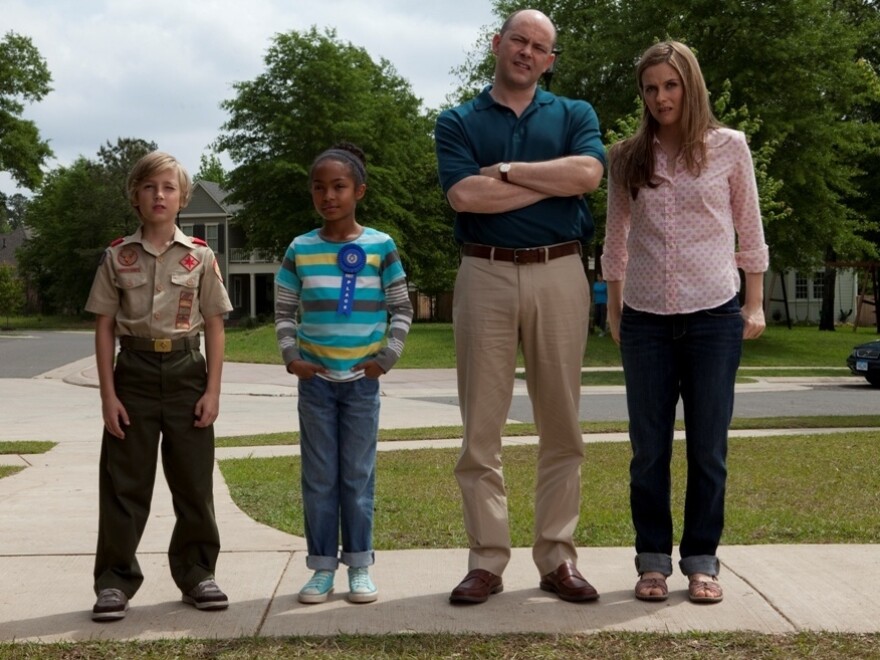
(158, 69)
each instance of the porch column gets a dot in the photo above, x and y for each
(253, 297)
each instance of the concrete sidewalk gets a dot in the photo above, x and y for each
(48, 514)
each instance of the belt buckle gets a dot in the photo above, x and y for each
(521, 255)
(162, 345)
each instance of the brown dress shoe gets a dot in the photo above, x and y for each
(476, 587)
(567, 583)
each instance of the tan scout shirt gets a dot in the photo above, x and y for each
(158, 296)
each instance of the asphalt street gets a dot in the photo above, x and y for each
(798, 400)
(28, 354)
(25, 354)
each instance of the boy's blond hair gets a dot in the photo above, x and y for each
(151, 164)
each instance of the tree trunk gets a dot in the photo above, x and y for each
(826, 316)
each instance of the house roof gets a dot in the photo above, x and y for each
(9, 243)
(209, 197)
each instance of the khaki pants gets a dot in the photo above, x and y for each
(159, 392)
(543, 307)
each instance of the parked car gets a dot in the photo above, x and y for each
(865, 361)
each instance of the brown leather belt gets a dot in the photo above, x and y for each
(158, 345)
(519, 256)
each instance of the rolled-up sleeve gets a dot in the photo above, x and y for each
(752, 254)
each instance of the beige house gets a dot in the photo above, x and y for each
(249, 274)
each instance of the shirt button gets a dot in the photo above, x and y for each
(159, 288)
(190, 282)
(156, 315)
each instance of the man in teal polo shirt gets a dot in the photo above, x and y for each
(515, 163)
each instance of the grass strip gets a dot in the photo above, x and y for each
(619, 645)
(26, 446)
(431, 346)
(785, 489)
(524, 429)
(9, 470)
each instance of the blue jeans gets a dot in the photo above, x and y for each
(693, 356)
(338, 425)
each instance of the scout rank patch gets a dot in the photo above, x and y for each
(189, 262)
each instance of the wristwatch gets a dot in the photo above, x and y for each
(504, 168)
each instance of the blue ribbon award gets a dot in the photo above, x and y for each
(351, 260)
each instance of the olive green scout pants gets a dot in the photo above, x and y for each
(159, 391)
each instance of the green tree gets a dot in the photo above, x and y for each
(11, 292)
(803, 66)
(317, 91)
(211, 169)
(24, 76)
(76, 213)
(12, 210)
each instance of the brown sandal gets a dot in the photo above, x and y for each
(645, 585)
(710, 588)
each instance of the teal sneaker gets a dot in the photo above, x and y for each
(317, 588)
(360, 586)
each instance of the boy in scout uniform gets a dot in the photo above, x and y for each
(155, 290)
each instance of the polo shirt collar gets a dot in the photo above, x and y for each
(484, 100)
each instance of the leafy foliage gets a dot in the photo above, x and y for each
(807, 68)
(11, 292)
(12, 210)
(77, 212)
(317, 91)
(24, 76)
(211, 169)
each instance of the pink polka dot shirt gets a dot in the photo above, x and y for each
(675, 246)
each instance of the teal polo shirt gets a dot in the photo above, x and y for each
(482, 132)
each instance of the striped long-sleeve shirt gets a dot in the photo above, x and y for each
(308, 324)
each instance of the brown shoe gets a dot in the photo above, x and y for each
(476, 587)
(652, 589)
(567, 583)
(702, 590)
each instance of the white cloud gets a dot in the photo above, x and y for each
(158, 70)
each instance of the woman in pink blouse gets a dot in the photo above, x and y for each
(683, 217)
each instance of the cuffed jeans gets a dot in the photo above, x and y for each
(544, 308)
(693, 356)
(339, 422)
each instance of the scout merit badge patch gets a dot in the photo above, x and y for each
(127, 258)
(351, 260)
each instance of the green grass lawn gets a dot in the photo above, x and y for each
(37, 322)
(26, 446)
(790, 489)
(605, 645)
(430, 345)
(524, 428)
